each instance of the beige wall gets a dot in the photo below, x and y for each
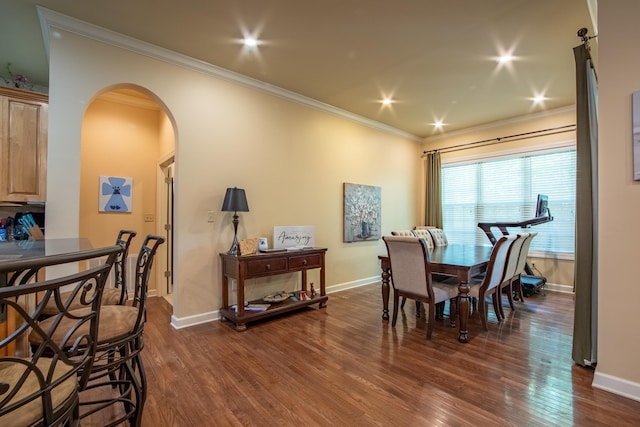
(291, 159)
(557, 271)
(619, 204)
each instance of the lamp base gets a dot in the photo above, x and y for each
(234, 250)
(234, 246)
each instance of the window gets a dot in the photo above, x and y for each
(506, 189)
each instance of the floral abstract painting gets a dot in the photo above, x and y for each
(362, 210)
(115, 194)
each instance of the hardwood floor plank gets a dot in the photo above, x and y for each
(344, 365)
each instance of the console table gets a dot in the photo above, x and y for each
(253, 266)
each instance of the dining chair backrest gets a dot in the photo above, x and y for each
(425, 235)
(405, 233)
(514, 256)
(524, 251)
(498, 262)
(438, 236)
(409, 260)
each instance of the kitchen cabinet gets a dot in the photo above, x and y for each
(23, 145)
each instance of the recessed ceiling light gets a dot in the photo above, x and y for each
(387, 101)
(250, 42)
(438, 124)
(505, 59)
(539, 99)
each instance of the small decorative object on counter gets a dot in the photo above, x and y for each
(30, 227)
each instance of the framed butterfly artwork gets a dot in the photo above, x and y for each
(115, 194)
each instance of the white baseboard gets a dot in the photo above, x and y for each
(554, 287)
(351, 285)
(185, 322)
(616, 385)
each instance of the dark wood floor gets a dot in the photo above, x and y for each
(344, 366)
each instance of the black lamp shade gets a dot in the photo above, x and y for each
(235, 200)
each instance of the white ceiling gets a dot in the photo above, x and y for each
(436, 58)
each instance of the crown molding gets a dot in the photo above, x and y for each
(51, 19)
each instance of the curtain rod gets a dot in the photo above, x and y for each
(582, 33)
(509, 138)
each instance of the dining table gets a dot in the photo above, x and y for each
(459, 260)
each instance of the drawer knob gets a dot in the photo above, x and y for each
(268, 266)
(304, 262)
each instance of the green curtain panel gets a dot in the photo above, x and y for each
(433, 199)
(586, 259)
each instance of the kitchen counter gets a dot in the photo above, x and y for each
(24, 250)
(20, 260)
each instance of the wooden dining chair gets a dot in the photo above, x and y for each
(522, 262)
(41, 387)
(117, 375)
(489, 284)
(517, 261)
(411, 278)
(513, 257)
(424, 234)
(117, 294)
(438, 236)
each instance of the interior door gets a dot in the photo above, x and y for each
(169, 227)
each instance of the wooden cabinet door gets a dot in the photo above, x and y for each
(23, 145)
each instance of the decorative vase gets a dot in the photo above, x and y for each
(365, 231)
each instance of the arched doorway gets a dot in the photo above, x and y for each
(128, 133)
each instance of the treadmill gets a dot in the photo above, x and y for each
(531, 283)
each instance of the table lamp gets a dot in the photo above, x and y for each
(235, 200)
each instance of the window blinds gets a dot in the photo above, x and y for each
(506, 189)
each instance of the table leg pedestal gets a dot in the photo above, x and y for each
(463, 311)
(386, 274)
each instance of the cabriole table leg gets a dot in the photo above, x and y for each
(463, 311)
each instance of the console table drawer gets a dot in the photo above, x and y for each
(307, 261)
(269, 266)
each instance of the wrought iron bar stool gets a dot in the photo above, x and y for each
(117, 294)
(41, 386)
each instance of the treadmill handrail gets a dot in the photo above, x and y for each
(502, 226)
